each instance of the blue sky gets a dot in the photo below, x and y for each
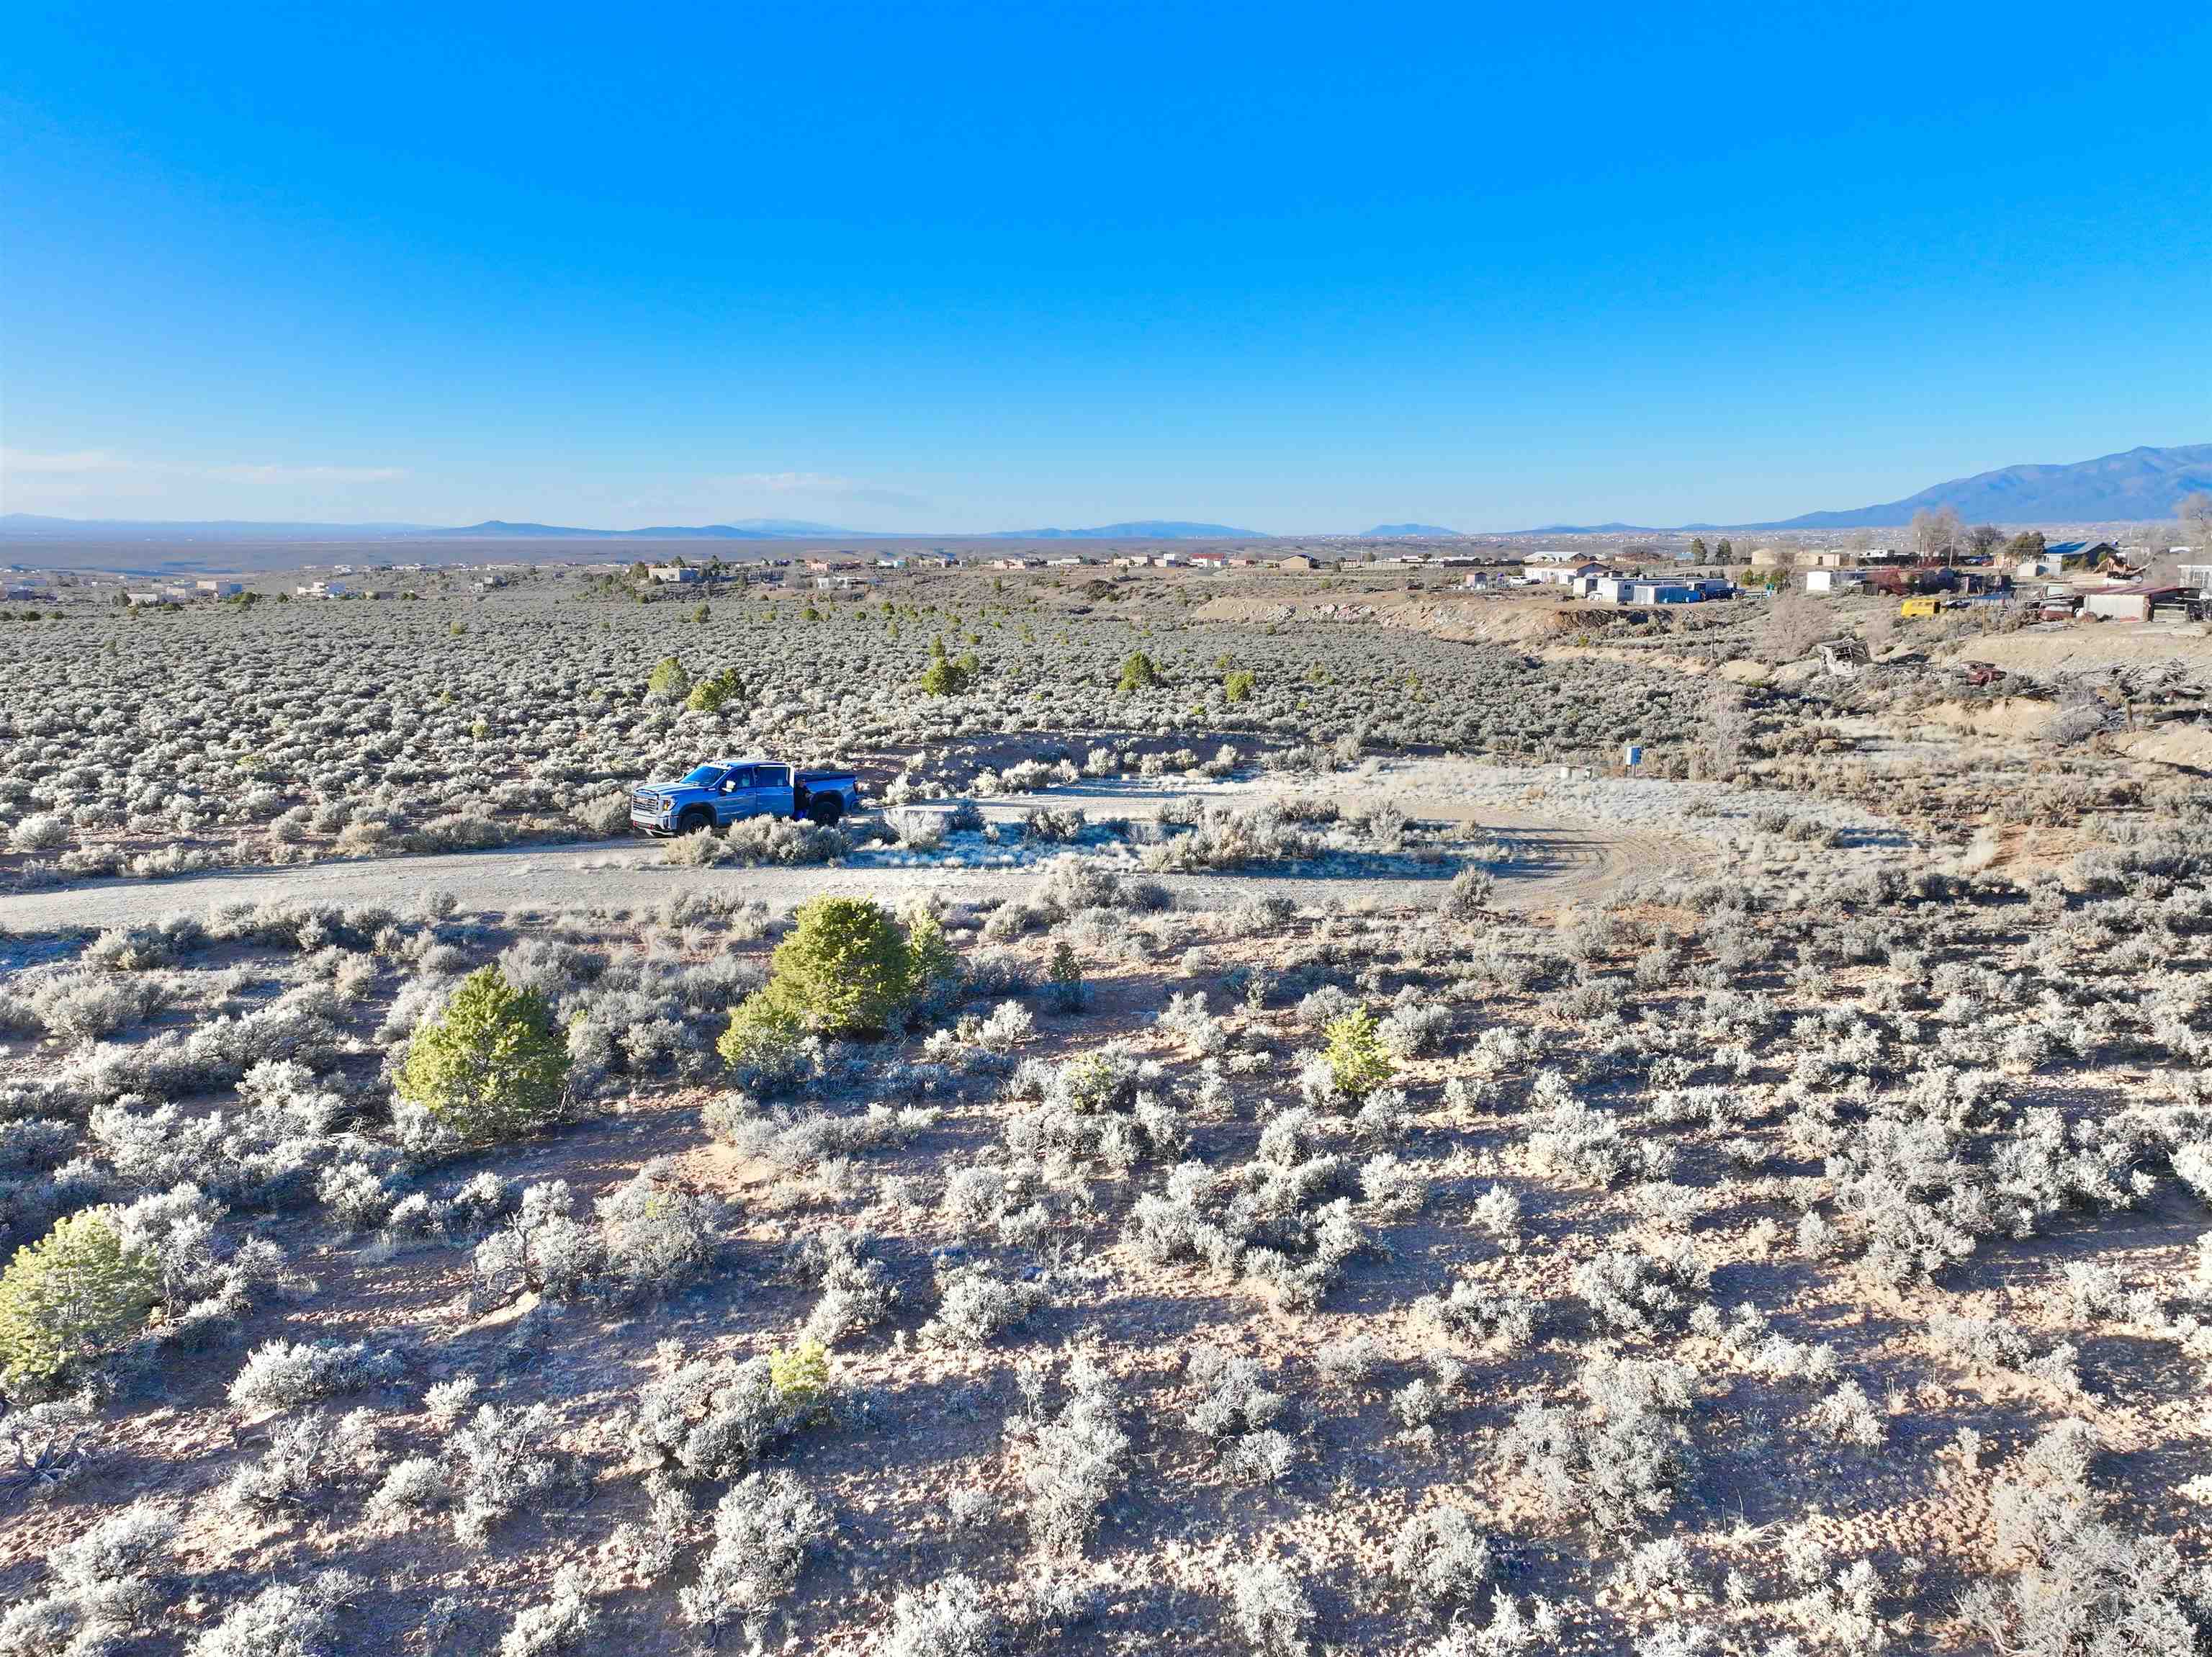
(943, 266)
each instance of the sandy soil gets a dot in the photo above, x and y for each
(2096, 648)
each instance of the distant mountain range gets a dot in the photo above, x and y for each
(2138, 486)
(1147, 529)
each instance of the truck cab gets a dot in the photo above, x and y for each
(720, 792)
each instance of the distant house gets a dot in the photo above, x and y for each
(321, 589)
(1769, 557)
(1835, 579)
(219, 590)
(151, 598)
(1209, 561)
(1300, 563)
(1637, 590)
(1828, 557)
(1555, 555)
(1560, 574)
(2065, 558)
(1067, 561)
(1168, 560)
(890, 564)
(2197, 578)
(672, 574)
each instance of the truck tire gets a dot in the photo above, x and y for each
(826, 808)
(693, 819)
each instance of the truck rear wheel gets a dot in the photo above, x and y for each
(693, 820)
(826, 808)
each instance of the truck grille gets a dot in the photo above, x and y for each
(644, 805)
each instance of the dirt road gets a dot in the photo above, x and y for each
(1551, 864)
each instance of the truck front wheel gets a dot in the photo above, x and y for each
(826, 808)
(693, 820)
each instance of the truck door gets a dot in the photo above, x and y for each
(733, 795)
(772, 791)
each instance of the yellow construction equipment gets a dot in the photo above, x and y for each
(1920, 605)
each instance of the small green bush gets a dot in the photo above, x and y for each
(492, 1065)
(933, 966)
(799, 1374)
(1138, 672)
(668, 681)
(1358, 1063)
(75, 1292)
(848, 969)
(711, 695)
(1239, 685)
(1065, 974)
(948, 676)
(763, 1038)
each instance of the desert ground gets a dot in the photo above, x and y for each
(1266, 1135)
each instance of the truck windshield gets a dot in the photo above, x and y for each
(703, 777)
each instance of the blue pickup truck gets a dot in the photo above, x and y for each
(720, 792)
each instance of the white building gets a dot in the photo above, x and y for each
(219, 590)
(672, 574)
(1560, 574)
(1834, 581)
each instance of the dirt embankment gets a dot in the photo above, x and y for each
(1484, 621)
(2170, 745)
(1547, 626)
(1245, 610)
(2018, 716)
(2096, 648)
(1469, 621)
